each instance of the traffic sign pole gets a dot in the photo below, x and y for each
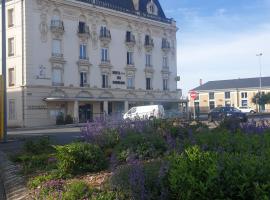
(193, 96)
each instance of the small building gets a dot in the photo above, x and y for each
(234, 92)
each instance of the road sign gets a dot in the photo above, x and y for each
(1, 109)
(193, 95)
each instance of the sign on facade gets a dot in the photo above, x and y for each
(1, 109)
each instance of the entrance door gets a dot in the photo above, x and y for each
(85, 113)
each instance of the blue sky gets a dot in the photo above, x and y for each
(219, 39)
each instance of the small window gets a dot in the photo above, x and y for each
(104, 55)
(165, 84)
(11, 47)
(11, 76)
(11, 109)
(211, 95)
(57, 76)
(130, 82)
(83, 79)
(83, 51)
(244, 95)
(56, 47)
(10, 17)
(148, 84)
(130, 60)
(211, 105)
(148, 58)
(227, 95)
(105, 81)
(244, 103)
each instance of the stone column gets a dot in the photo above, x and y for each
(126, 106)
(105, 107)
(76, 111)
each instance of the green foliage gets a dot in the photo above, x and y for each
(106, 195)
(142, 146)
(208, 175)
(68, 119)
(77, 158)
(192, 174)
(39, 146)
(39, 180)
(77, 190)
(261, 99)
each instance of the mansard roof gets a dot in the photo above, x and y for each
(128, 7)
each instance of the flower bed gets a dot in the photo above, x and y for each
(160, 159)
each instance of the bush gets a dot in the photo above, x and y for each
(77, 190)
(60, 119)
(39, 146)
(68, 120)
(208, 175)
(77, 158)
(140, 146)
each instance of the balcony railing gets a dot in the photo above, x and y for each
(57, 84)
(165, 44)
(57, 25)
(84, 58)
(130, 39)
(57, 55)
(105, 34)
(125, 10)
(131, 87)
(83, 30)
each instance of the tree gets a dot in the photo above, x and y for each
(261, 99)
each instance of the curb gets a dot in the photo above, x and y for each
(14, 184)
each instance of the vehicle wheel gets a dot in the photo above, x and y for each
(210, 119)
(252, 112)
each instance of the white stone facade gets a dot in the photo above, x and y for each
(53, 73)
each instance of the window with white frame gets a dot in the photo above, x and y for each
(56, 47)
(227, 95)
(165, 84)
(83, 79)
(104, 55)
(130, 82)
(11, 109)
(244, 95)
(105, 81)
(165, 62)
(10, 17)
(130, 60)
(11, 46)
(83, 49)
(11, 76)
(57, 76)
(148, 60)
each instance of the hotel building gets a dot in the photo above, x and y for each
(84, 58)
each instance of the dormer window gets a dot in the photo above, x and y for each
(152, 8)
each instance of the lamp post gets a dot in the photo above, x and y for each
(260, 90)
(4, 72)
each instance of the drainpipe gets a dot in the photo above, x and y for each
(23, 66)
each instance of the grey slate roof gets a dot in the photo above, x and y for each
(234, 84)
(127, 6)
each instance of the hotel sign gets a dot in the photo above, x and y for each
(118, 78)
(1, 108)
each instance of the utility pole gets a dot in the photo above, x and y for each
(260, 89)
(4, 72)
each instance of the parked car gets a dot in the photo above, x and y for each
(221, 113)
(145, 112)
(246, 109)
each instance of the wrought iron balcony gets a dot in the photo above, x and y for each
(149, 44)
(57, 84)
(84, 31)
(57, 26)
(105, 36)
(130, 40)
(57, 58)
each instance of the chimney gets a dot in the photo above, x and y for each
(136, 4)
(201, 82)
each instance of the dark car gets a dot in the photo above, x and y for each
(222, 113)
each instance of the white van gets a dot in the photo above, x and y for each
(145, 112)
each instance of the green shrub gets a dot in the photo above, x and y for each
(60, 119)
(208, 175)
(142, 146)
(68, 119)
(77, 190)
(39, 146)
(193, 174)
(77, 158)
(106, 195)
(39, 180)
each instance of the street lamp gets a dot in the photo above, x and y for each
(4, 72)
(260, 90)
